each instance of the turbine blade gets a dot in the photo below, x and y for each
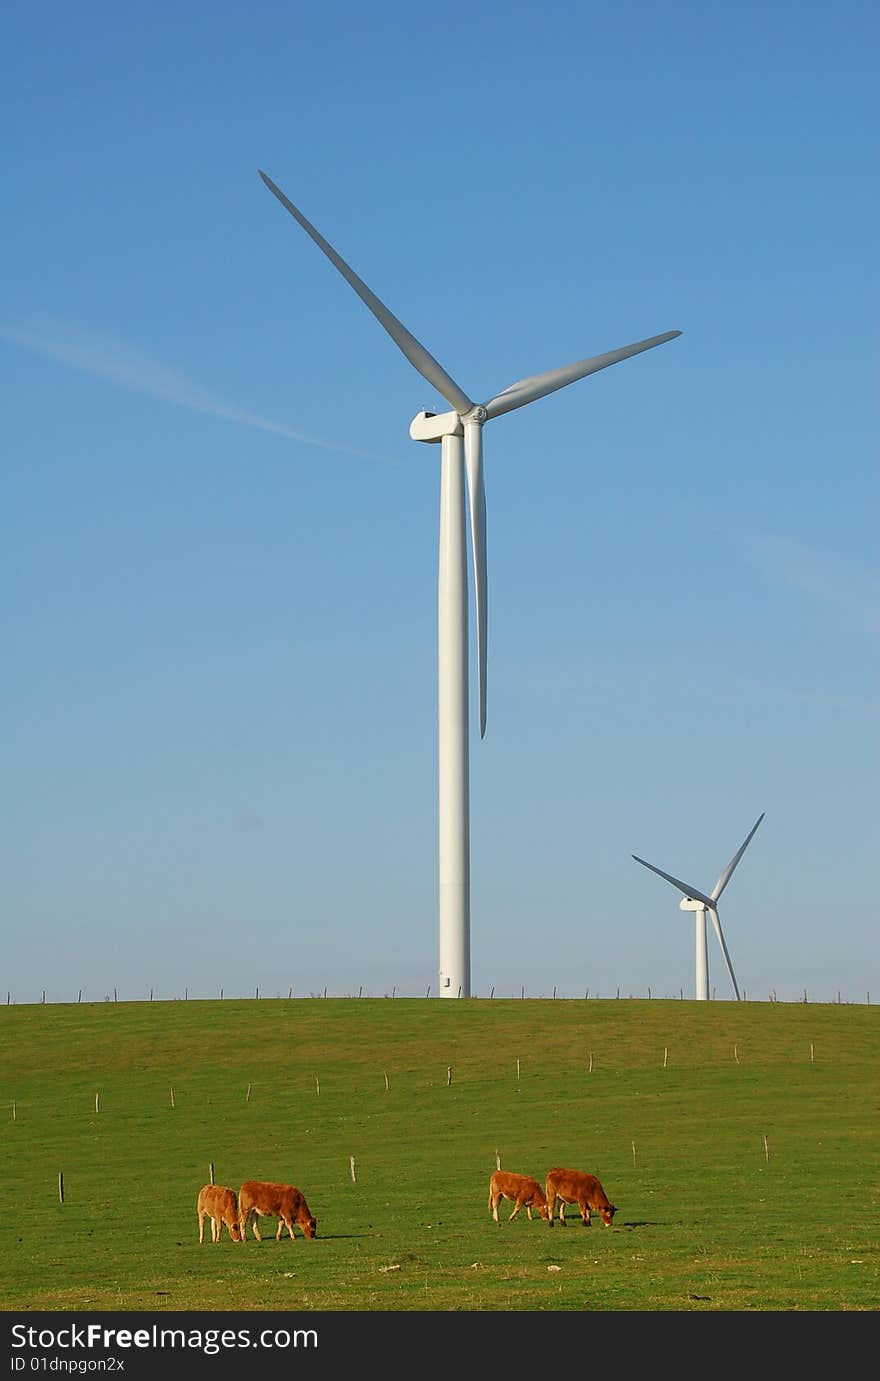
(473, 455)
(728, 871)
(717, 924)
(416, 353)
(539, 385)
(683, 887)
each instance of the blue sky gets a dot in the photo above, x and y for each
(219, 545)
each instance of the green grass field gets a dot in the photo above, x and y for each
(738, 1141)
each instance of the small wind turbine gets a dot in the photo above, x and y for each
(460, 434)
(699, 903)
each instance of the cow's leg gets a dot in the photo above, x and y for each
(201, 1225)
(551, 1205)
(215, 1230)
(493, 1204)
(255, 1225)
(562, 1212)
(585, 1214)
(529, 1211)
(289, 1222)
(517, 1205)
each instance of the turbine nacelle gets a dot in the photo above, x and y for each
(695, 901)
(433, 426)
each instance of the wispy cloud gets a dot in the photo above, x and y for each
(108, 358)
(823, 577)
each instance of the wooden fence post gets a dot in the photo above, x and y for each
(211, 1172)
(60, 1187)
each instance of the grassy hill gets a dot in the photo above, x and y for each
(738, 1140)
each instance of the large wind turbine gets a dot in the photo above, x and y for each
(699, 903)
(460, 434)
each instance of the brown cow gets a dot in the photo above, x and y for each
(260, 1198)
(218, 1203)
(577, 1187)
(522, 1189)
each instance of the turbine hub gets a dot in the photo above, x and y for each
(479, 414)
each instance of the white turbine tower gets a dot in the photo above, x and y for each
(460, 434)
(699, 903)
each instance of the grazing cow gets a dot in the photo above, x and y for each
(218, 1203)
(258, 1198)
(577, 1187)
(522, 1189)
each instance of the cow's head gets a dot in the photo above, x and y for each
(607, 1214)
(235, 1232)
(309, 1227)
(544, 1209)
